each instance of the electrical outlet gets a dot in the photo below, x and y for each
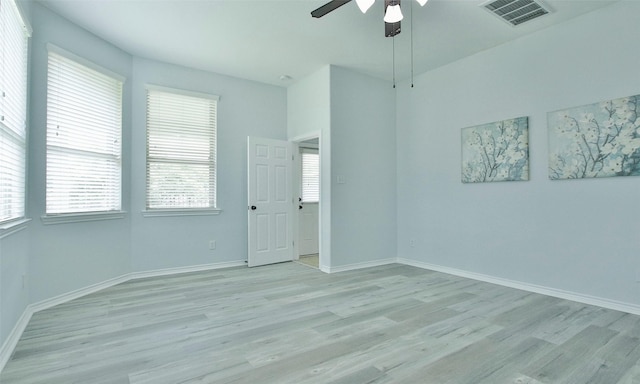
(212, 244)
(24, 281)
(412, 243)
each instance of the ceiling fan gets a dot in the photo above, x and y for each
(392, 12)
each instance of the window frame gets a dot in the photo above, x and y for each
(182, 211)
(16, 132)
(82, 216)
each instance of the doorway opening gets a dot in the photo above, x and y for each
(309, 203)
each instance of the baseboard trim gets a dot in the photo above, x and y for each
(12, 341)
(66, 297)
(351, 267)
(562, 294)
(193, 268)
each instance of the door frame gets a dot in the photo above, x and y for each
(304, 147)
(324, 201)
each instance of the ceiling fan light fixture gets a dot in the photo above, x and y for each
(364, 5)
(422, 2)
(393, 14)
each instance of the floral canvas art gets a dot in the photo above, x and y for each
(496, 152)
(596, 140)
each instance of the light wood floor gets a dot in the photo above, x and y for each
(310, 260)
(288, 323)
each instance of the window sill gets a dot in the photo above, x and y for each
(64, 218)
(181, 212)
(12, 227)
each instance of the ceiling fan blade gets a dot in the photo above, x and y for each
(391, 29)
(330, 6)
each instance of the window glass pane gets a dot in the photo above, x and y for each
(12, 176)
(92, 185)
(179, 185)
(310, 177)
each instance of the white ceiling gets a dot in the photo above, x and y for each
(264, 39)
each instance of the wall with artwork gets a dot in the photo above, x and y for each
(596, 140)
(497, 151)
(567, 228)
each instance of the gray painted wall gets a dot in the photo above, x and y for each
(309, 113)
(573, 235)
(355, 116)
(66, 257)
(363, 155)
(14, 264)
(308, 105)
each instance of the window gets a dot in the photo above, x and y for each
(181, 150)
(84, 129)
(310, 175)
(14, 36)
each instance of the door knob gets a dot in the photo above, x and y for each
(253, 207)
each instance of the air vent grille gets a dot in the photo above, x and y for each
(516, 12)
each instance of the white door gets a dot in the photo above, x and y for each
(271, 205)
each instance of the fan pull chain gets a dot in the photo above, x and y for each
(394, 60)
(411, 34)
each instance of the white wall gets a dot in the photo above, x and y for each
(578, 236)
(363, 169)
(355, 116)
(14, 264)
(246, 108)
(66, 257)
(308, 105)
(309, 114)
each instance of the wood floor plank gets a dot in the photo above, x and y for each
(610, 363)
(567, 359)
(288, 323)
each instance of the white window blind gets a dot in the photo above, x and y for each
(84, 128)
(310, 176)
(14, 36)
(181, 150)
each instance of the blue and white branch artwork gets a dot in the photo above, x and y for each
(596, 140)
(496, 152)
